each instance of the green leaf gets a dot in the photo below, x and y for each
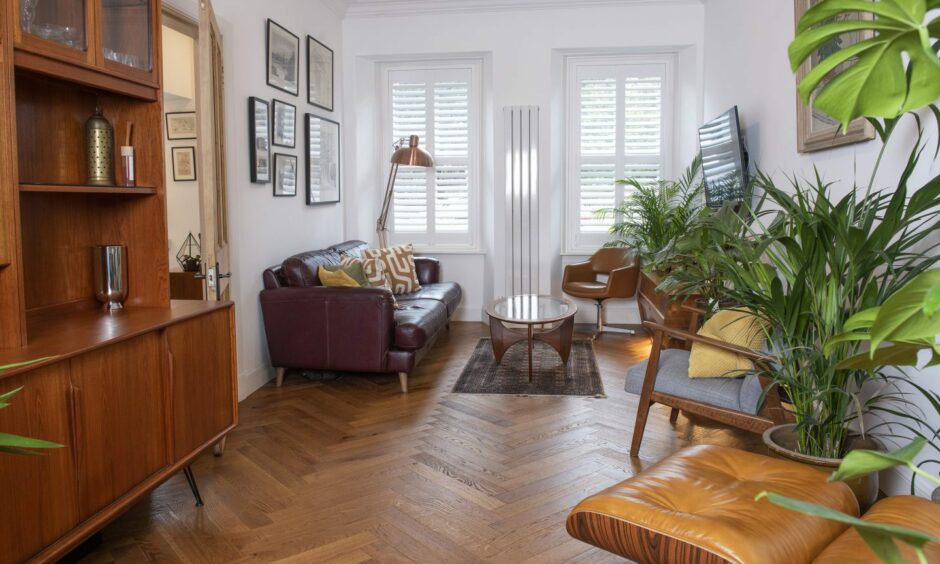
(902, 318)
(932, 299)
(17, 441)
(862, 462)
(24, 363)
(878, 536)
(868, 78)
(897, 354)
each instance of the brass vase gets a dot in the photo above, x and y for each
(99, 150)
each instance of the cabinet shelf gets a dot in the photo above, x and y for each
(84, 189)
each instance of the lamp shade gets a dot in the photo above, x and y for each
(412, 155)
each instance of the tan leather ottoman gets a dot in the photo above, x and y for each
(698, 506)
(904, 510)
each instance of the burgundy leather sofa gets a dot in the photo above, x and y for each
(312, 327)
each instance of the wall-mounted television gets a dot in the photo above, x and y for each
(724, 160)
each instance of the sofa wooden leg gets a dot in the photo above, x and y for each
(279, 377)
(403, 380)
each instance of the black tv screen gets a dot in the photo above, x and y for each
(724, 160)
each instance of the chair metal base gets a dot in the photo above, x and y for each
(601, 328)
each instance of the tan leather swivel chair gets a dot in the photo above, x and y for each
(620, 266)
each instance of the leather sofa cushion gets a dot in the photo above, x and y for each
(416, 321)
(351, 248)
(586, 289)
(698, 504)
(739, 394)
(300, 270)
(903, 510)
(448, 293)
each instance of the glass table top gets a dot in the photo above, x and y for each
(531, 308)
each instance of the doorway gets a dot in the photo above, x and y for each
(194, 155)
(182, 180)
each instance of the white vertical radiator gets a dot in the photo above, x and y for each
(522, 197)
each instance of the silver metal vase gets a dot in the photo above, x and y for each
(110, 264)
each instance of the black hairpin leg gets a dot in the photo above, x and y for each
(188, 472)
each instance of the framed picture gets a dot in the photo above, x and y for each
(319, 74)
(322, 155)
(180, 125)
(283, 59)
(259, 133)
(285, 175)
(815, 131)
(184, 164)
(284, 124)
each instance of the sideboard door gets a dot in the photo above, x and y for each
(202, 375)
(120, 424)
(38, 494)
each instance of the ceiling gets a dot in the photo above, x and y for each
(372, 8)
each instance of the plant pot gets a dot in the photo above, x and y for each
(782, 441)
(662, 307)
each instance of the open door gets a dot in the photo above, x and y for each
(211, 165)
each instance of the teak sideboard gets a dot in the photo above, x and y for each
(135, 395)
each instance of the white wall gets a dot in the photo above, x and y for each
(264, 230)
(746, 64)
(523, 58)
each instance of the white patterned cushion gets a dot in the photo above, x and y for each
(375, 273)
(399, 267)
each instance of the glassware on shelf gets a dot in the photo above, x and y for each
(59, 21)
(27, 15)
(127, 37)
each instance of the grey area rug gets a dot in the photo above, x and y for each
(550, 377)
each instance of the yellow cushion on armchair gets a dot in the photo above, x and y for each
(734, 327)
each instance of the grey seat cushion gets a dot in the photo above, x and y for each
(740, 394)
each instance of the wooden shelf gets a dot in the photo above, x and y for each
(82, 189)
(60, 335)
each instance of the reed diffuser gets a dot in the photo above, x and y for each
(127, 157)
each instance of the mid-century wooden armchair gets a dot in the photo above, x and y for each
(663, 379)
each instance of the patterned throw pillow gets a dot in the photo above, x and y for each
(399, 267)
(375, 273)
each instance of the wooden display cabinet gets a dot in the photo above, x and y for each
(136, 395)
(108, 44)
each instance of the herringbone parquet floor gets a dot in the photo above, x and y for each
(353, 471)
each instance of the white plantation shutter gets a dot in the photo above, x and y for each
(435, 207)
(619, 110)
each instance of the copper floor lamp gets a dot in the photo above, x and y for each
(411, 155)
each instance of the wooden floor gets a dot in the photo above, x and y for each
(353, 471)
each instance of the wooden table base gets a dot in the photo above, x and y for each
(559, 338)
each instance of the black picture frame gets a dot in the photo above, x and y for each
(259, 141)
(276, 106)
(313, 43)
(279, 162)
(170, 136)
(192, 160)
(315, 170)
(275, 37)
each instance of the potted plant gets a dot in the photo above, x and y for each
(810, 261)
(649, 220)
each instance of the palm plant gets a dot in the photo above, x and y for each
(651, 218)
(16, 444)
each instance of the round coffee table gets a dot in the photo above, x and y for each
(531, 310)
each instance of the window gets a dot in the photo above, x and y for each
(440, 103)
(620, 114)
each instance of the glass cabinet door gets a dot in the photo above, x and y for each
(127, 33)
(59, 21)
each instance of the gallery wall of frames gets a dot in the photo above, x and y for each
(273, 122)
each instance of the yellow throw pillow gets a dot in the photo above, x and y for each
(734, 327)
(336, 279)
(400, 268)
